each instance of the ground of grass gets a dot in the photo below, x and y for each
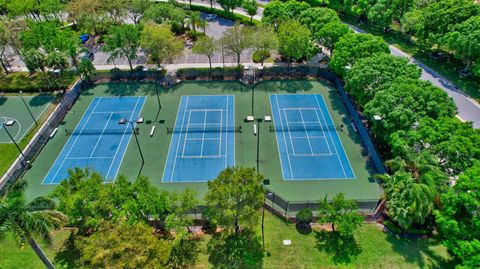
(155, 149)
(372, 248)
(12, 255)
(447, 69)
(38, 82)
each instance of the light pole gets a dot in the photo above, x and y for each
(13, 140)
(124, 121)
(28, 109)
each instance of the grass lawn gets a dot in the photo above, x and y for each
(374, 248)
(12, 256)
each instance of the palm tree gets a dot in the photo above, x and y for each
(26, 220)
(194, 18)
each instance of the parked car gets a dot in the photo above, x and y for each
(89, 55)
(84, 38)
(211, 17)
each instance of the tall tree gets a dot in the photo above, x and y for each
(381, 13)
(353, 47)
(315, 18)
(404, 103)
(205, 45)
(159, 42)
(265, 40)
(464, 40)
(408, 201)
(376, 73)
(330, 34)
(341, 213)
(235, 197)
(137, 8)
(28, 220)
(229, 5)
(237, 39)
(459, 219)
(122, 245)
(250, 7)
(123, 41)
(277, 12)
(294, 41)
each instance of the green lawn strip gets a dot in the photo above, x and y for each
(446, 69)
(12, 256)
(377, 250)
(24, 81)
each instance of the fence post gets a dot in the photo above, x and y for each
(308, 204)
(273, 198)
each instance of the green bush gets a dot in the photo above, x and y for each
(218, 73)
(38, 82)
(416, 231)
(194, 35)
(260, 55)
(392, 227)
(304, 216)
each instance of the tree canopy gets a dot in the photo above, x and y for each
(341, 213)
(352, 47)
(402, 104)
(235, 197)
(294, 41)
(376, 73)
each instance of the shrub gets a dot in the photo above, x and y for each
(260, 55)
(38, 82)
(304, 216)
(194, 35)
(392, 227)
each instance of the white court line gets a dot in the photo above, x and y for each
(68, 142)
(288, 130)
(323, 132)
(221, 131)
(197, 139)
(304, 137)
(101, 135)
(180, 135)
(314, 155)
(306, 132)
(203, 156)
(203, 134)
(186, 133)
(107, 112)
(85, 158)
(121, 140)
(284, 138)
(341, 144)
(331, 138)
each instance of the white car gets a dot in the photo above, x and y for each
(211, 17)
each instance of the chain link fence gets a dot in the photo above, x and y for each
(22, 164)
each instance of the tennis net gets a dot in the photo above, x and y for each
(205, 129)
(303, 128)
(117, 131)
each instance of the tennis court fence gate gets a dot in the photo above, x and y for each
(21, 164)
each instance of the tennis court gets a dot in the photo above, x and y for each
(98, 142)
(203, 140)
(14, 109)
(307, 138)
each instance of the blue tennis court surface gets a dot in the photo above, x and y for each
(203, 140)
(307, 139)
(99, 141)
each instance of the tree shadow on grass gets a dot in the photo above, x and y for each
(69, 254)
(343, 248)
(418, 250)
(231, 250)
(303, 228)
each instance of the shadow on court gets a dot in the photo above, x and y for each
(40, 100)
(343, 248)
(122, 89)
(290, 86)
(3, 100)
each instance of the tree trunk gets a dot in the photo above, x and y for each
(239, 55)
(210, 63)
(130, 63)
(40, 253)
(333, 227)
(237, 227)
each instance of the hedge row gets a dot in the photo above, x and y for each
(217, 73)
(138, 73)
(38, 82)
